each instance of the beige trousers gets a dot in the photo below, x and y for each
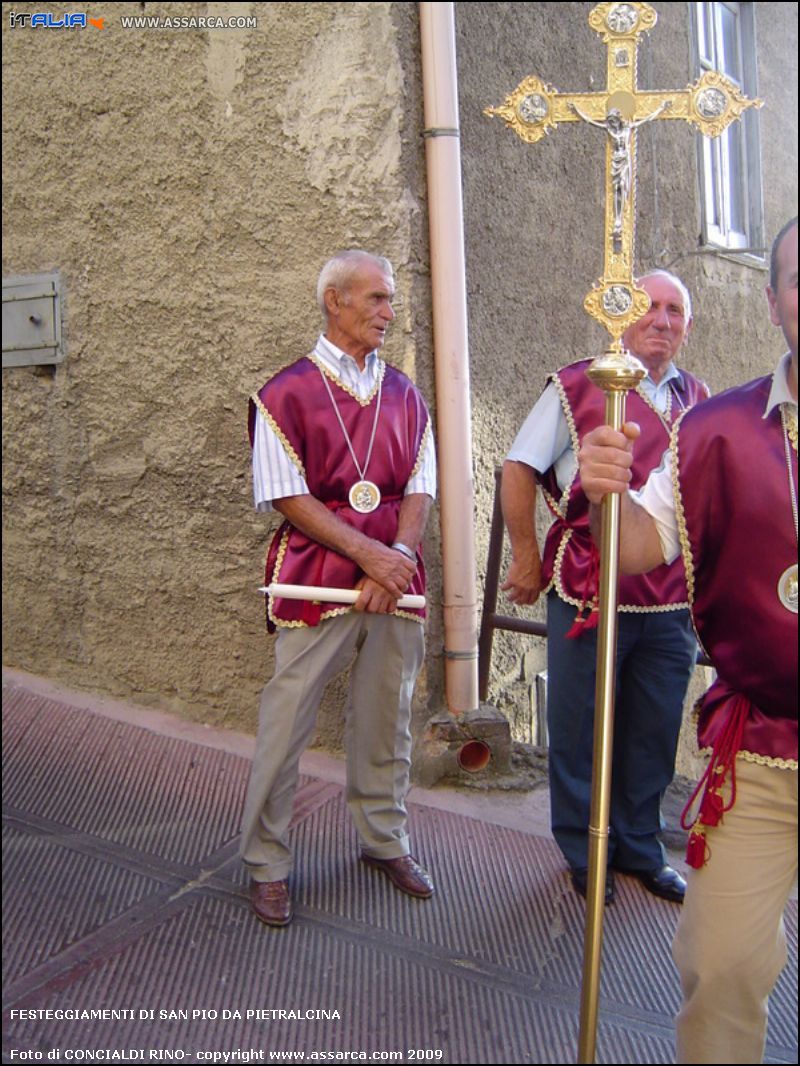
(388, 655)
(730, 946)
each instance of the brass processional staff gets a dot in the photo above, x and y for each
(616, 302)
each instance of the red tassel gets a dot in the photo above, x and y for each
(712, 804)
(712, 808)
(697, 850)
(581, 624)
(576, 629)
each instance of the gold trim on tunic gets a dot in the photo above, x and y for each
(563, 503)
(774, 761)
(421, 451)
(680, 514)
(557, 583)
(276, 429)
(663, 416)
(346, 388)
(273, 577)
(280, 624)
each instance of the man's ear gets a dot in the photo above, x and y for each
(332, 299)
(772, 300)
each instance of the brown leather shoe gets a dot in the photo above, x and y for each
(271, 902)
(405, 873)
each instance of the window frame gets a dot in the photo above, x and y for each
(719, 191)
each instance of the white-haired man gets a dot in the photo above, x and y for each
(656, 646)
(342, 448)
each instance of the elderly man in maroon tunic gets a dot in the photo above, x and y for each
(342, 448)
(725, 498)
(656, 649)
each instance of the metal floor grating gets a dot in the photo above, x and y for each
(123, 892)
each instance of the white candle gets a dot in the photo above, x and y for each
(318, 594)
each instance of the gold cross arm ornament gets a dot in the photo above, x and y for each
(535, 108)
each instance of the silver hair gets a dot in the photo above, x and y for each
(339, 271)
(679, 285)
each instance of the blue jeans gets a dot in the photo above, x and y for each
(655, 657)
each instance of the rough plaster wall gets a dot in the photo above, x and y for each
(188, 185)
(534, 218)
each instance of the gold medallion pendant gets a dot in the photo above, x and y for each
(364, 496)
(787, 588)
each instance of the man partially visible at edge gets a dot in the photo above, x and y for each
(726, 498)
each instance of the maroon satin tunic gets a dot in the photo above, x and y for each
(733, 487)
(570, 555)
(298, 408)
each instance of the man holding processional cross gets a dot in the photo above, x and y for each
(729, 485)
(533, 110)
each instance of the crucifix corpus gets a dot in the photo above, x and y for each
(710, 104)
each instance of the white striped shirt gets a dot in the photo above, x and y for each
(274, 473)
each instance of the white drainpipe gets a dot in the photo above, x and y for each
(451, 354)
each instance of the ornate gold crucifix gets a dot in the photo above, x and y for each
(616, 302)
(535, 108)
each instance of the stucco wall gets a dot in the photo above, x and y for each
(188, 186)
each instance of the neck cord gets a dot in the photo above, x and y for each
(361, 473)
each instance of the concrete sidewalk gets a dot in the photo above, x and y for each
(128, 935)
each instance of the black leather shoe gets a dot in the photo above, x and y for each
(580, 879)
(664, 882)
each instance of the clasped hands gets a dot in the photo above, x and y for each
(388, 573)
